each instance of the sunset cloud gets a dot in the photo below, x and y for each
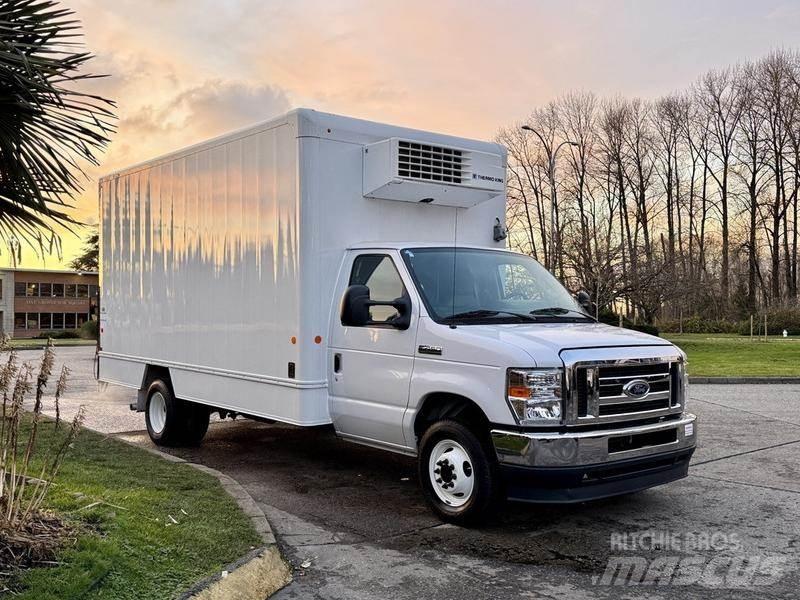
(184, 70)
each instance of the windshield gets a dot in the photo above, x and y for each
(469, 285)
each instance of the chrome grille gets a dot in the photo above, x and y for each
(613, 401)
(596, 389)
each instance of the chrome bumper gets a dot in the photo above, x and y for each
(571, 449)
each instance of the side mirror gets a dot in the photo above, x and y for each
(584, 300)
(355, 306)
(356, 303)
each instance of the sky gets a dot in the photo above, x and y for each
(185, 70)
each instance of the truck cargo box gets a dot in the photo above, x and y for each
(219, 261)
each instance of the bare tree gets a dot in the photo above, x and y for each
(686, 203)
(718, 95)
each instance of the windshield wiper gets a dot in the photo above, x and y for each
(560, 310)
(485, 313)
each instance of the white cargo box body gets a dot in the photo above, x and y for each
(220, 261)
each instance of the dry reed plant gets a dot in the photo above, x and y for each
(21, 492)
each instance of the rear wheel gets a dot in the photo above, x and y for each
(458, 473)
(171, 421)
(163, 414)
(196, 423)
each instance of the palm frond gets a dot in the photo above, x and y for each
(48, 129)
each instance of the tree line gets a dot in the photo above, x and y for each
(686, 204)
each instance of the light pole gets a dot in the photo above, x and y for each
(551, 157)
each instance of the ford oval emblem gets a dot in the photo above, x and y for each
(636, 388)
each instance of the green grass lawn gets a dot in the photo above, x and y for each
(130, 548)
(27, 343)
(727, 355)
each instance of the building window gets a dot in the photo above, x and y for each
(20, 288)
(69, 321)
(82, 318)
(58, 290)
(45, 321)
(33, 289)
(58, 320)
(83, 290)
(94, 291)
(19, 320)
(45, 290)
(71, 290)
(33, 320)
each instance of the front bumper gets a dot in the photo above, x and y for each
(584, 465)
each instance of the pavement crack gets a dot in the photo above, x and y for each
(315, 544)
(363, 540)
(755, 485)
(749, 412)
(711, 460)
(404, 533)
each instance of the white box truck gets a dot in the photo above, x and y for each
(322, 270)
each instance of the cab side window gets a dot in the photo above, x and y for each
(378, 273)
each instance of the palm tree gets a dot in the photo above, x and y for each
(48, 130)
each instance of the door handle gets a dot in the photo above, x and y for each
(337, 363)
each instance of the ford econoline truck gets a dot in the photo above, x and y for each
(320, 270)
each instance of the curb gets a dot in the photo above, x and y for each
(43, 345)
(256, 575)
(744, 380)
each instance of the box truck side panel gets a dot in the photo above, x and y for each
(201, 262)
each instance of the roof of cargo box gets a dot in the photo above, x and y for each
(313, 123)
(383, 245)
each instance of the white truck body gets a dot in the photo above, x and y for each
(226, 269)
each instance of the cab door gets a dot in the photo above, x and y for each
(369, 367)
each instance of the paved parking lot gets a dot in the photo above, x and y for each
(355, 517)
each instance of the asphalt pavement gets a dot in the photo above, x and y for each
(352, 522)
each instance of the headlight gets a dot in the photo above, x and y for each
(535, 395)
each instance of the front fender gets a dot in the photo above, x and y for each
(483, 384)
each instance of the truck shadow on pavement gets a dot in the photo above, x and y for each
(363, 495)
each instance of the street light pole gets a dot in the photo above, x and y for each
(551, 155)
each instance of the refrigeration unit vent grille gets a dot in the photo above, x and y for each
(429, 163)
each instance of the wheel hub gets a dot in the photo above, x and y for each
(450, 470)
(446, 472)
(157, 411)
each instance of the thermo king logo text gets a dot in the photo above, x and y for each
(487, 178)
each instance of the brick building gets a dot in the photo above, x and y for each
(34, 301)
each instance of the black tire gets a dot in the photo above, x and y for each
(168, 428)
(197, 417)
(486, 495)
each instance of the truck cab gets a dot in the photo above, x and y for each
(479, 362)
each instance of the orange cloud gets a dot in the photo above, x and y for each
(183, 70)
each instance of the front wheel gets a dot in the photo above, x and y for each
(458, 474)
